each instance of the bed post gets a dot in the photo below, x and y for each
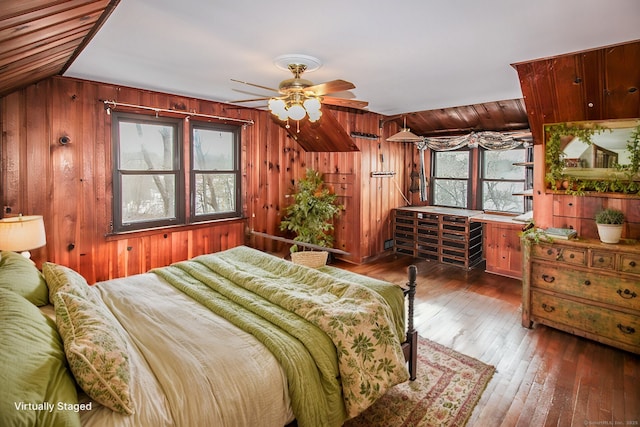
(410, 346)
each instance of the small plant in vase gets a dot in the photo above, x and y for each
(311, 215)
(609, 222)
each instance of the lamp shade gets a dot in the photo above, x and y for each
(22, 233)
(405, 135)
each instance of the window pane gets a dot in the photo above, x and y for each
(148, 198)
(449, 192)
(146, 146)
(213, 150)
(215, 193)
(499, 164)
(498, 196)
(452, 164)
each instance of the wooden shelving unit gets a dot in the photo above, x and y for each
(446, 235)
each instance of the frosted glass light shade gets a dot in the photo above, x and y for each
(22, 233)
(297, 112)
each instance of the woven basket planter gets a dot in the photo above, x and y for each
(313, 259)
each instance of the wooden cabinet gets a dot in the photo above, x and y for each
(446, 235)
(586, 288)
(502, 249)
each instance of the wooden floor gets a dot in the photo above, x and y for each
(544, 377)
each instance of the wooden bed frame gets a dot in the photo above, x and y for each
(410, 346)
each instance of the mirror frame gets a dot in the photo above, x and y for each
(620, 179)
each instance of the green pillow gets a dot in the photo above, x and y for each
(19, 274)
(96, 350)
(33, 368)
(64, 279)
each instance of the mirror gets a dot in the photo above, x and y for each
(583, 153)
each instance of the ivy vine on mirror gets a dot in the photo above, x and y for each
(595, 156)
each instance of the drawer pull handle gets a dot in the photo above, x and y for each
(600, 259)
(549, 252)
(547, 278)
(587, 282)
(548, 308)
(626, 329)
(632, 263)
(626, 294)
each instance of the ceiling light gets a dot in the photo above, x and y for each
(296, 103)
(405, 135)
(296, 106)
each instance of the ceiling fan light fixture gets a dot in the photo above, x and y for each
(312, 105)
(296, 112)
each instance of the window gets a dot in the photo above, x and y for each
(503, 182)
(150, 174)
(215, 177)
(450, 179)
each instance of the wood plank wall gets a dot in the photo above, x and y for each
(70, 185)
(596, 84)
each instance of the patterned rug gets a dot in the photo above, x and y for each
(447, 388)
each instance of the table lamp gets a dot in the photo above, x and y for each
(22, 233)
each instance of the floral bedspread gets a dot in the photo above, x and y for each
(357, 319)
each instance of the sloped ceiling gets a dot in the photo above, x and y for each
(444, 66)
(39, 39)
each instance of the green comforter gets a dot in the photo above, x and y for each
(336, 334)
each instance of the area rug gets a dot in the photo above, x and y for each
(447, 388)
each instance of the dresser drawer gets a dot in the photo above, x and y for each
(622, 292)
(611, 324)
(603, 260)
(630, 263)
(575, 256)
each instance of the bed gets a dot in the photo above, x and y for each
(234, 338)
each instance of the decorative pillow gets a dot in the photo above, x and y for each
(96, 351)
(33, 369)
(20, 275)
(64, 279)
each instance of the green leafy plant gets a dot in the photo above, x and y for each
(311, 215)
(610, 216)
(532, 233)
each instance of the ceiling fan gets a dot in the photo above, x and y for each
(297, 97)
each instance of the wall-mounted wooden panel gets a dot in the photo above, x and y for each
(71, 184)
(597, 84)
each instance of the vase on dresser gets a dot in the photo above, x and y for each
(609, 233)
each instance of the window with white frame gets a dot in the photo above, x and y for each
(150, 173)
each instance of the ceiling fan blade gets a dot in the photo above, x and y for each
(341, 102)
(255, 85)
(330, 87)
(249, 100)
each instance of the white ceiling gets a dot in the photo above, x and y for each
(403, 56)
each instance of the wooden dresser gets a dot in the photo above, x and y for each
(584, 287)
(446, 235)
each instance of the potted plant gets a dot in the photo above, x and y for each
(310, 218)
(609, 222)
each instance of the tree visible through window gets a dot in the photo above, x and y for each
(450, 178)
(215, 173)
(502, 180)
(150, 174)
